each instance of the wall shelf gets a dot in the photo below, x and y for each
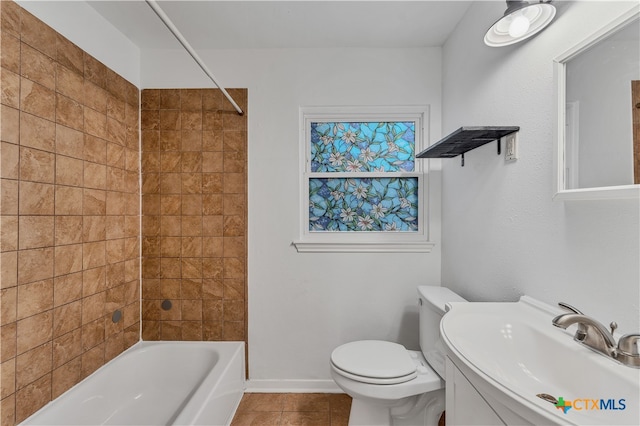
(465, 139)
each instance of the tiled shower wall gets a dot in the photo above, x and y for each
(69, 214)
(194, 204)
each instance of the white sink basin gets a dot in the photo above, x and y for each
(511, 352)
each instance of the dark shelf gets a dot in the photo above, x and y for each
(465, 139)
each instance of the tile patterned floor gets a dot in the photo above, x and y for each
(303, 409)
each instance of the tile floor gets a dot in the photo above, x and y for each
(304, 409)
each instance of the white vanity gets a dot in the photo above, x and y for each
(507, 364)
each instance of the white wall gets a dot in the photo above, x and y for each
(301, 306)
(88, 30)
(503, 236)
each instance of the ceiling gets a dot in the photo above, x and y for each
(267, 24)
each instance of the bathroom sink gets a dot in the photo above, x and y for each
(511, 352)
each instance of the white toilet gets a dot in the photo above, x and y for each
(391, 385)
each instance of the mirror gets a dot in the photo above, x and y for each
(598, 135)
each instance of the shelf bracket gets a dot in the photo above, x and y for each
(499, 145)
(462, 160)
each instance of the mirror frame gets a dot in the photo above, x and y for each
(559, 67)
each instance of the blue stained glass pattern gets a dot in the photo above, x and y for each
(363, 204)
(362, 146)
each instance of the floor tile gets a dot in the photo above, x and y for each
(301, 409)
(305, 418)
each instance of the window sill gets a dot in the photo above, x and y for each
(371, 247)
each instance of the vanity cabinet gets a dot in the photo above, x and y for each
(464, 404)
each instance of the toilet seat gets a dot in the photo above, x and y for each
(375, 362)
(426, 381)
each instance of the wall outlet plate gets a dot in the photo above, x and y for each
(511, 147)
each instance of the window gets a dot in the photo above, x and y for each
(361, 187)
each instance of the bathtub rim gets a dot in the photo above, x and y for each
(240, 346)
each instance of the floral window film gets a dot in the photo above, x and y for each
(379, 198)
(362, 147)
(363, 204)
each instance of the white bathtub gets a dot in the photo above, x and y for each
(156, 383)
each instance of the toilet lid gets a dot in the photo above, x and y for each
(375, 359)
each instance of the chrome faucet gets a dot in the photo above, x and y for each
(594, 335)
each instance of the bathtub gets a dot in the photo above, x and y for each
(156, 383)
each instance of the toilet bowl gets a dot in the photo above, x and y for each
(391, 385)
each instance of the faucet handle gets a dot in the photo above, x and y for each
(629, 344)
(568, 307)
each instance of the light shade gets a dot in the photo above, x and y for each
(521, 20)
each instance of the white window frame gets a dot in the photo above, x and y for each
(369, 241)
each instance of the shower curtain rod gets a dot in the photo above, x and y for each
(165, 19)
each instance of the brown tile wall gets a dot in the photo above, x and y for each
(69, 237)
(194, 205)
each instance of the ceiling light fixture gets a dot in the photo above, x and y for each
(521, 20)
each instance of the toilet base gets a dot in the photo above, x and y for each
(365, 414)
(413, 412)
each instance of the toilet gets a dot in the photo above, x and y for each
(391, 385)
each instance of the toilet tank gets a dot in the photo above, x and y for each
(432, 301)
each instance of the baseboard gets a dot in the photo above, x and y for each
(292, 386)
